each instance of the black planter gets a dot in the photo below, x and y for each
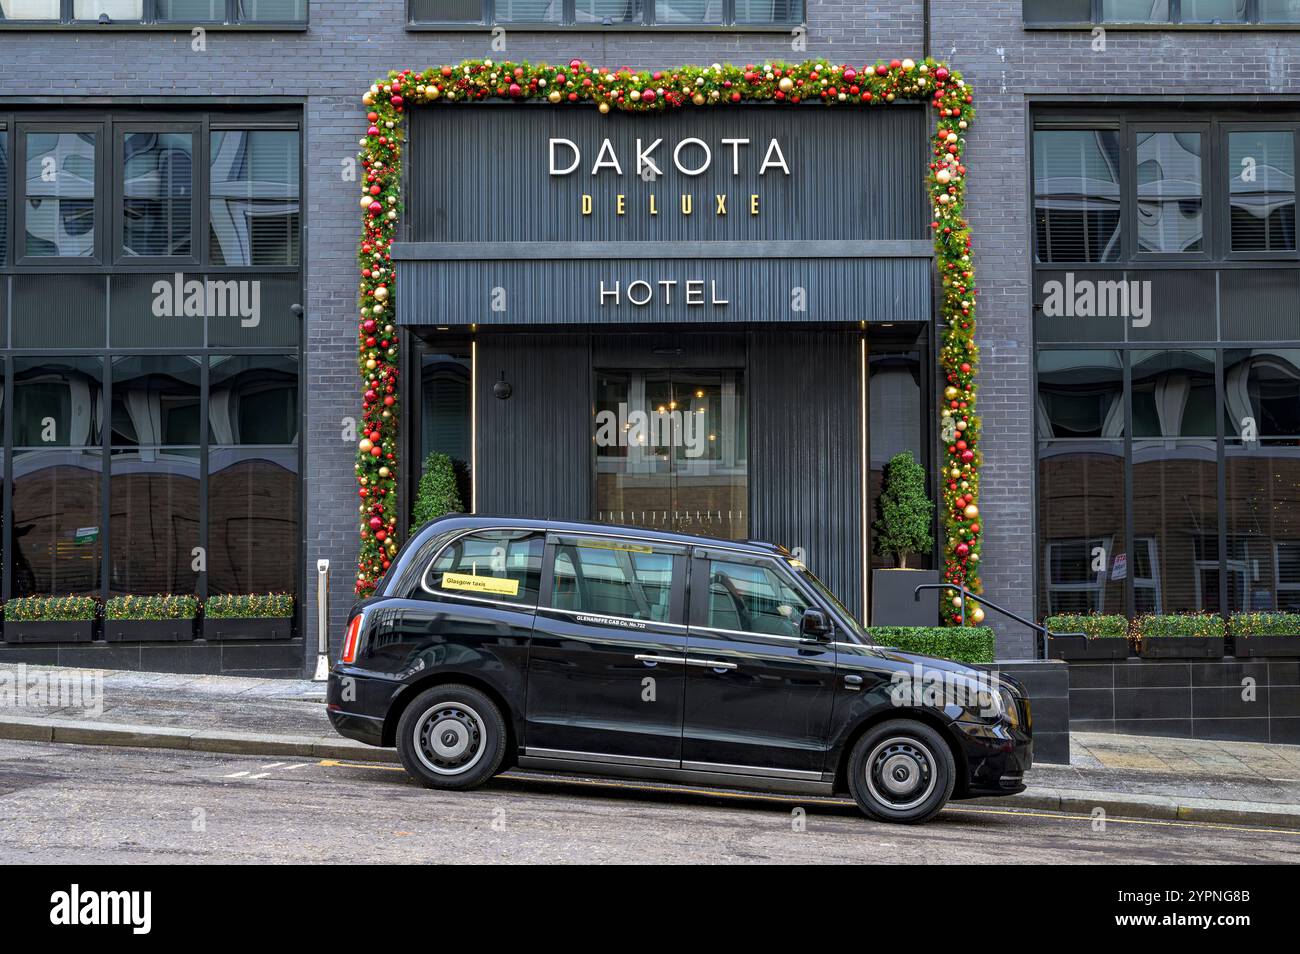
(253, 627)
(893, 602)
(1267, 646)
(49, 631)
(1181, 647)
(148, 630)
(1080, 647)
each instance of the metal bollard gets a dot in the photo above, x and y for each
(322, 621)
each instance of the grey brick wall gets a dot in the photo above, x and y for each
(349, 44)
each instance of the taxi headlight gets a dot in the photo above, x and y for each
(1010, 705)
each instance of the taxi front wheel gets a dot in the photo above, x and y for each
(901, 771)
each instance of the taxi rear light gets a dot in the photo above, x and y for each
(352, 640)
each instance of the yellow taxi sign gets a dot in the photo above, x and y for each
(500, 586)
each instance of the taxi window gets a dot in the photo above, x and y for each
(753, 598)
(503, 565)
(613, 579)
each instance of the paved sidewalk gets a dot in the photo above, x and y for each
(1140, 776)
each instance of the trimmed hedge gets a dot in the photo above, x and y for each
(1265, 624)
(1091, 625)
(1178, 624)
(248, 606)
(30, 609)
(966, 644)
(151, 607)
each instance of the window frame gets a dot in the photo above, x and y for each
(18, 173)
(221, 124)
(698, 617)
(568, 21)
(148, 20)
(199, 178)
(1223, 150)
(525, 607)
(1129, 190)
(1176, 21)
(1118, 128)
(676, 596)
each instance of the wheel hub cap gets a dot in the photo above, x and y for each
(449, 739)
(900, 773)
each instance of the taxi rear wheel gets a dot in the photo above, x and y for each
(901, 771)
(451, 737)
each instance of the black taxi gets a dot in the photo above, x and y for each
(616, 651)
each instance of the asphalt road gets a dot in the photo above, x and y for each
(91, 804)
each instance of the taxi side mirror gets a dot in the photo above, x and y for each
(814, 625)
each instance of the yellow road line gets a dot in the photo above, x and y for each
(840, 802)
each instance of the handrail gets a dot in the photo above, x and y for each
(1042, 631)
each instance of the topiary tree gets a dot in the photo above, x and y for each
(906, 513)
(437, 494)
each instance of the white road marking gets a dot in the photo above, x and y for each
(273, 765)
(235, 775)
(260, 775)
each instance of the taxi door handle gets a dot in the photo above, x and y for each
(640, 657)
(710, 663)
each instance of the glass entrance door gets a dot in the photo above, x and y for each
(671, 450)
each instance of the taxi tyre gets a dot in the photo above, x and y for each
(451, 737)
(901, 771)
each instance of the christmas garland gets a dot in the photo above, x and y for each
(630, 90)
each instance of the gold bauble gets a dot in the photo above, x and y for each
(603, 108)
(977, 614)
(381, 292)
(554, 96)
(786, 84)
(384, 472)
(698, 99)
(971, 512)
(365, 446)
(950, 392)
(366, 200)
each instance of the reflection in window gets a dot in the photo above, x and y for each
(56, 521)
(253, 399)
(1080, 394)
(1279, 11)
(600, 11)
(154, 520)
(688, 11)
(1261, 186)
(58, 402)
(753, 598)
(1081, 481)
(252, 520)
(272, 11)
(1135, 11)
(529, 11)
(513, 558)
(113, 9)
(155, 401)
(254, 203)
(1173, 394)
(158, 191)
(671, 450)
(1077, 195)
(1214, 11)
(191, 11)
(614, 579)
(60, 194)
(769, 11)
(29, 9)
(1169, 192)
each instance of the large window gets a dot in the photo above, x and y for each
(1160, 12)
(59, 193)
(671, 450)
(499, 565)
(179, 13)
(1131, 190)
(150, 373)
(753, 597)
(254, 176)
(1077, 194)
(665, 13)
